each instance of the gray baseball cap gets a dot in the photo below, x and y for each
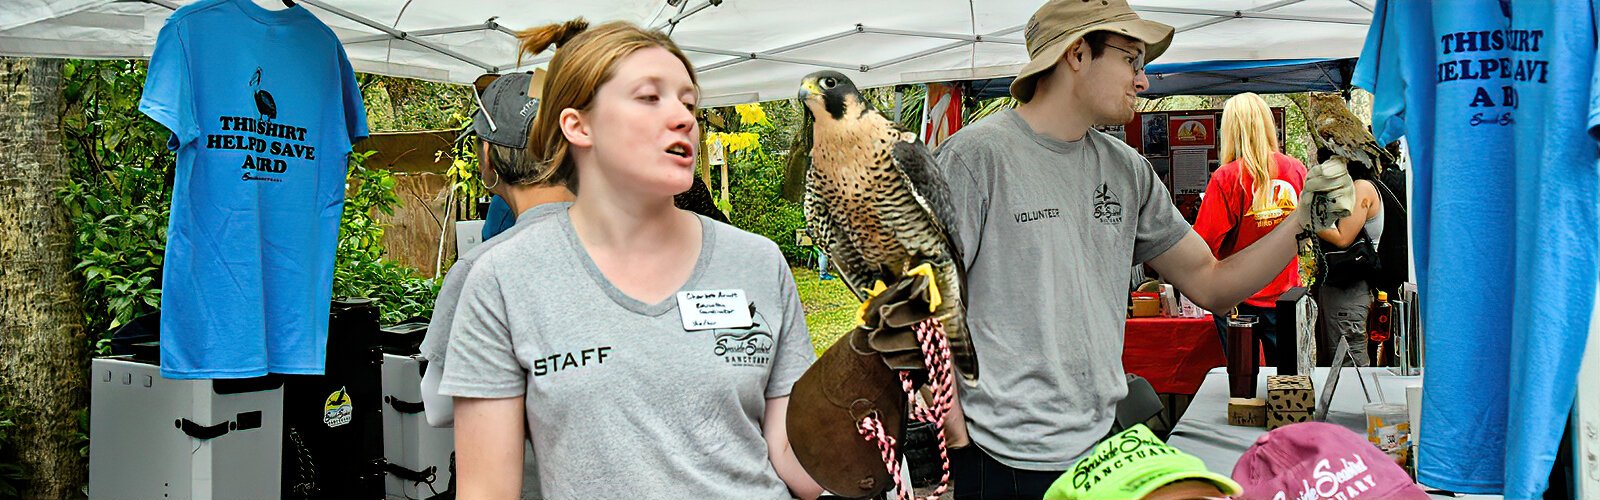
(510, 110)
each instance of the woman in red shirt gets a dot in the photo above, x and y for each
(1255, 189)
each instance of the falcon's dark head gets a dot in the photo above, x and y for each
(831, 94)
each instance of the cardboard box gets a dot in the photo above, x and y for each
(1247, 412)
(1290, 393)
(1276, 419)
(1146, 305)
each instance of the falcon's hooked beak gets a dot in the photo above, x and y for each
(809, 88)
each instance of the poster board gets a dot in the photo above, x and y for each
(1176, 141)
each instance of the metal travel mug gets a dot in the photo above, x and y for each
(1243, 357)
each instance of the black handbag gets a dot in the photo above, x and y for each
(1344, 267)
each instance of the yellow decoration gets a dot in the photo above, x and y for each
(752, 114)
(933, 285)
(735, 141)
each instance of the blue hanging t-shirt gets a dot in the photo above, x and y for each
(1436, 73)
(1558, 216)
(263, 107)
(1495, 99)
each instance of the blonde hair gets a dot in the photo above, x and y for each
(1250, 135)
(587, 58)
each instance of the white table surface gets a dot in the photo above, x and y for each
(1204, 431)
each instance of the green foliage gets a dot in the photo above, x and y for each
(756, 180)
(12, 476)
(360, 269)
(403, 104)
(466, 182)
(119, 192)
(757, 206)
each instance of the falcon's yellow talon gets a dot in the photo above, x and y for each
(926, 269)
(861, 312)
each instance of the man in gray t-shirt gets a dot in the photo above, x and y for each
(1050, 215)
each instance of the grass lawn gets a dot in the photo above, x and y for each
(830, 307)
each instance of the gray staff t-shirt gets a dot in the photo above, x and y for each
(436, 342)
(1048, 229)
(622, 401)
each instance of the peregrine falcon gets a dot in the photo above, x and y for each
(876, 203)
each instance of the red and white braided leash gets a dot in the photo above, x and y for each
(936, 357)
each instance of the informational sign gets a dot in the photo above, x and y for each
(1189, 174)
(715, 153)
(1193, 131)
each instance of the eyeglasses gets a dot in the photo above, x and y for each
(1138, 58)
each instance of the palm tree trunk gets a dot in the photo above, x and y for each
(43, 359)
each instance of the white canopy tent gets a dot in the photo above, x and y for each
(744, 50)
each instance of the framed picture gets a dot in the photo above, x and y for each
(1193, 131)
(1153, 134)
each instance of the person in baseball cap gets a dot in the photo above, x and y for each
(1323, 461)
(507, 105)
(1135, 464)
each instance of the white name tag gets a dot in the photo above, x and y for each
(712, 309)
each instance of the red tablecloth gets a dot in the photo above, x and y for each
(1173, 353)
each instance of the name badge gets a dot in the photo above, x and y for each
(713, 309)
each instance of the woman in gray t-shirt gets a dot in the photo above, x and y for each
(649, 351)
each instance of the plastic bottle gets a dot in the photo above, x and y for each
(1378, 323)
(1378, 319)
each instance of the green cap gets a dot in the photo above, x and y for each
(1131, 464)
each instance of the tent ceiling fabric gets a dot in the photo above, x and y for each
(896, 41)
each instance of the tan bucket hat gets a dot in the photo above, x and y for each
(1060, 22)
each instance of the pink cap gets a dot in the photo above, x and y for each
(1316, 460)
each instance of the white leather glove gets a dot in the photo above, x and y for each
(1328, 195)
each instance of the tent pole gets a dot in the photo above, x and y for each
(399, 35)
(770, 54)
(936, 50)
(427, 32)
(163, 3)
(918, 54)
(1217, 20)
(685, 14)
(742, 57)
(1254, 15)
(774, 58)
(949, 36)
